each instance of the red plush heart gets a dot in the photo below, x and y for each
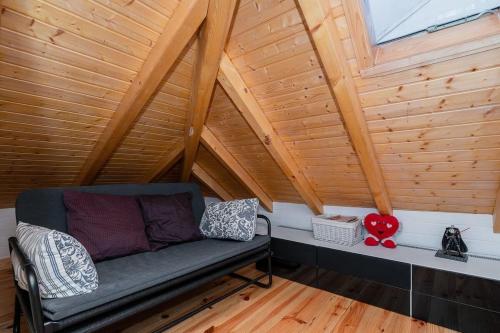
(381, 226)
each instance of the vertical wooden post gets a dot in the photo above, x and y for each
(211, 44)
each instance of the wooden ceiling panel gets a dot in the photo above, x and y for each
(65, 66)
(157, 130)
(435, 130)
(221, 175)
(285, 76)
(243, 144)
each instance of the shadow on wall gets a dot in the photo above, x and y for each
(7, 229)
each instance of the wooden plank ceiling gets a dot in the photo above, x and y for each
(66, 65)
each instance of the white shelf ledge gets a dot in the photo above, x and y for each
(485, 268)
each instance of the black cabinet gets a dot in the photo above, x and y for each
(460, 288)
(460, 302)
(456, 316)
(384, 271)
(293, 251)
(293, 261)
(457, 301)
(375, 281)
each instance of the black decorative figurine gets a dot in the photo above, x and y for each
(453, 245)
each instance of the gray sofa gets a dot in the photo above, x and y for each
(131, 284)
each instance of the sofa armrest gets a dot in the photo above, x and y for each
(35, 315)
(265, 218)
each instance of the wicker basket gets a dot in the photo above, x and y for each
(343, 233)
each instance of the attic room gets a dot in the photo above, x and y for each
(249, 166)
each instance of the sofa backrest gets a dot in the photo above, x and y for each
(45, 207)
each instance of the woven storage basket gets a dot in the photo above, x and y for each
(343, 233)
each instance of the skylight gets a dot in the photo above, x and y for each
(393, 19)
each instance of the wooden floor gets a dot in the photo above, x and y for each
(287, 307)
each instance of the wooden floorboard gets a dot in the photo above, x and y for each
(287, 307)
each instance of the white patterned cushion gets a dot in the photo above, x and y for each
(62, 265)
(230, 220)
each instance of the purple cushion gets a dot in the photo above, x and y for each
(169, 219)
(108, 226)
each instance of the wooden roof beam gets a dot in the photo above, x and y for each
(496, 214)
(323, 30)
(166, 162)
(209, 140)
(208, 180)
(177, 33)
(211, 42)
(247, 105)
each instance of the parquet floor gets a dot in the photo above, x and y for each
(287, 307)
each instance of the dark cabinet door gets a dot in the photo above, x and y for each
(392, 273)
(294, 252)
(456, 316)
(465, 289)
(294, 261)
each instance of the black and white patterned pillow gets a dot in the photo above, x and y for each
(62, 265)
(230, 220)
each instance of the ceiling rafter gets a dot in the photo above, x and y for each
(211, 44)
(166, 162)
(319, 19)
(211, 182)
(216, 147)
(179, 30)
(247, 105)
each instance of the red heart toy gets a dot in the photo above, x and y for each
(381, 228)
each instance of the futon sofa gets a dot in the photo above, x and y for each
(131, 284)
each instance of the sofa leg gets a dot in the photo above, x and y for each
(269, 269)
(16, 325)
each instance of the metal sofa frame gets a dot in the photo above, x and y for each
(29, 302)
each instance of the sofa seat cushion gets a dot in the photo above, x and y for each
(125, 276)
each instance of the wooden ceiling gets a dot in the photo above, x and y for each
(422, 138)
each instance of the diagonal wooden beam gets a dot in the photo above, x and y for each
(209, 140)
(177, 33)
(208, 180)
(323, 30)
(496, 214)
(247, 105)
(165, 163)
(211, 43)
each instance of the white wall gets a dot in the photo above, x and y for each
(7, 229)
(419, 228)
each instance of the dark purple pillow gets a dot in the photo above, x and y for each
(107, 225)
(169, 219)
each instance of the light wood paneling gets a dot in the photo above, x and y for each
(220, 175)
(326, 38)
(249, 108)
(283, 72)
(212, 183)
(173, 40)
(435, 131)
(216, 147)
(233, 132)
(66, 65)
